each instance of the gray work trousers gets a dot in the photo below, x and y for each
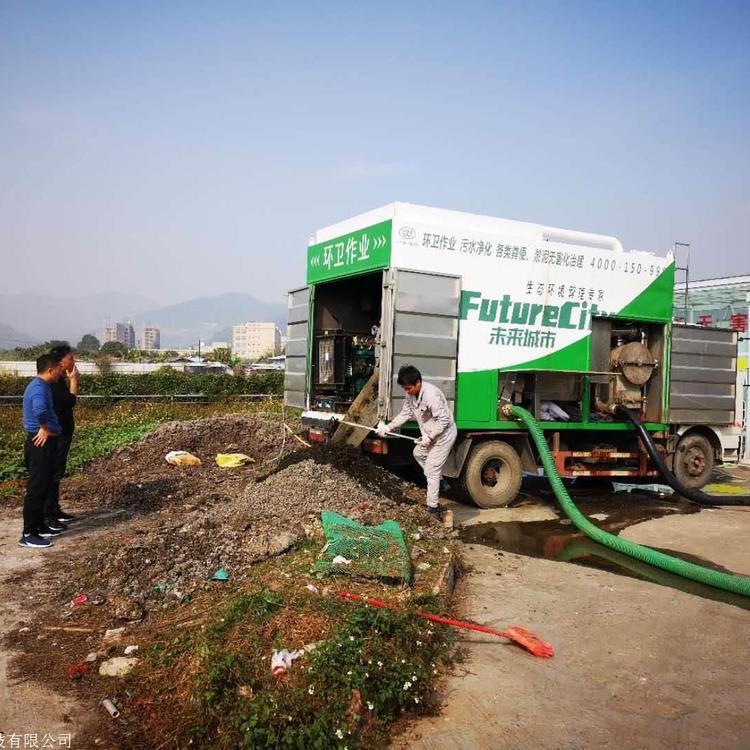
(432, 459)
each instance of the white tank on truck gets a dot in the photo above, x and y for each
(493, 311)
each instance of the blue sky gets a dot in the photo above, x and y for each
(200, 144)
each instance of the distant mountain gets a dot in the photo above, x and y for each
(10, 338)
(209, 318)
(44, 317)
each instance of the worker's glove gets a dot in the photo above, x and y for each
(424, 442)
(382, 429)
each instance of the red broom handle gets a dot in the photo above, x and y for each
(425, 616)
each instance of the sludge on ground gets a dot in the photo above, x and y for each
(163, 530)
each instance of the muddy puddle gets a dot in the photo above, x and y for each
(612, 511)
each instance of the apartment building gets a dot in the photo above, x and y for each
(255, 339)
(151, 337)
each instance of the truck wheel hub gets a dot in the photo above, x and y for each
(695, 462)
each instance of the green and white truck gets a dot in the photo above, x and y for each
(493, 311)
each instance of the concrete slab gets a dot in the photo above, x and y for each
(637, 665)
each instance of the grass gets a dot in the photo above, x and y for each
(102, 428)
(369, 668)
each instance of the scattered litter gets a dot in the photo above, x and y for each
(416, 536)
(182, 458)
(80, 599)
(448, 519)
(245, 691)
(97, 600)
(340, 560)
(67, 629)
(76, 671)
(311, 587)
(114, 634)
(423, 566)
(165, 586)
(117, 666)
(127, 608)
(111, 708)
(282, 660)
(222, 574)
(232, 460)
(93, 656)
(130, 650)
(24, 630)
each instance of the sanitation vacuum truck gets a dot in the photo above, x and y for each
(494, 312)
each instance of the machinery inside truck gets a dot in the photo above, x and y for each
(346, 321)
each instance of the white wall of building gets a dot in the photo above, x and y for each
(254, 339)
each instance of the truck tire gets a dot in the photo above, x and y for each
(492, 474)
(694, 461)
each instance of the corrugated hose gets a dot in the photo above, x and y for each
(735, 583)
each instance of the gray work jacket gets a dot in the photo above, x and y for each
(430, 410)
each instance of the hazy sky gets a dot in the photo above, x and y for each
(181, 149)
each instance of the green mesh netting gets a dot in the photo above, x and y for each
(374, 551)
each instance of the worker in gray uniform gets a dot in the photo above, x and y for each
(426, 404)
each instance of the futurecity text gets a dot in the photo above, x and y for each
(525, 318)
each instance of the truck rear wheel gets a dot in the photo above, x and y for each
(492, 474)
(694, 461)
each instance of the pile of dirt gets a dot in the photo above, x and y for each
(136, 477)
(191, 521)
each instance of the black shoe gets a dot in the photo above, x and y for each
(435, 512)
(64, 517)
(34, 540)
(55, 525)
(47, 532)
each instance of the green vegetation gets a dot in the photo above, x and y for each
(370, 667)
(29, 353)
(165, 382)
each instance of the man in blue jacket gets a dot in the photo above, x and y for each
(40, 450)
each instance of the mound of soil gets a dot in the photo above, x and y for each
(190, 521)
(136, 477)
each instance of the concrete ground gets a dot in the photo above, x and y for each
(637, 665)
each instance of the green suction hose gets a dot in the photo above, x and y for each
(737, 584)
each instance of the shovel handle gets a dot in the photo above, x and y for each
(365, 427)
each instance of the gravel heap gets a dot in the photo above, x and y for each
(194, 520)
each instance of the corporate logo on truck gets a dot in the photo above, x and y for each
(527, 324)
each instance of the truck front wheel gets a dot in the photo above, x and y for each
(492, 474)
(694, 461)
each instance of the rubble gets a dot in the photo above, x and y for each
(192, 520)
(117, 666)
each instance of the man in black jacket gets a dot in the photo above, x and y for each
(64, 393)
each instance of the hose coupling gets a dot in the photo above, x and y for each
(506, 410)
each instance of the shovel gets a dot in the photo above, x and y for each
(520, 636)
(366, 427)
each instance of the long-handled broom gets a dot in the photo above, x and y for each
(520, 636)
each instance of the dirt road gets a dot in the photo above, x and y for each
(25, 707)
